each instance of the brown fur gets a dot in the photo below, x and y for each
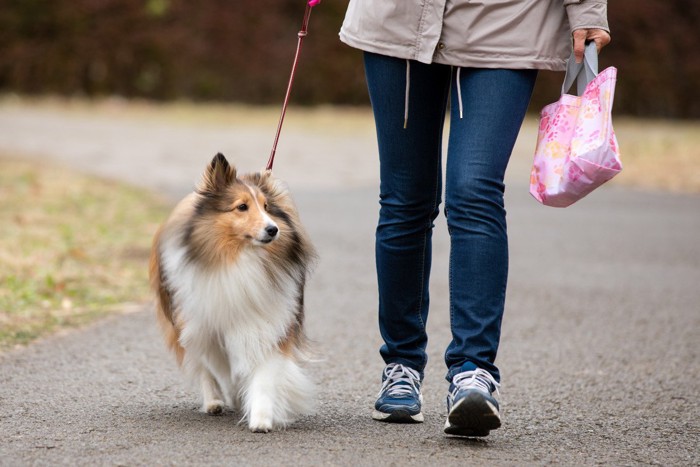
(205, 219)
(164, 306)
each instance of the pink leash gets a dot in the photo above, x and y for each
(302, 34)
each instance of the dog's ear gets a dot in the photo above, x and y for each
(219, 175)
(272, 185)
(265, 176)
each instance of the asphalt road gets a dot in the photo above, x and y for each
(599, 354)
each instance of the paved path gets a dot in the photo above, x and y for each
(600, 349)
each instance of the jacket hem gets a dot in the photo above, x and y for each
(404, 51)
(505, 62)
(465, 61)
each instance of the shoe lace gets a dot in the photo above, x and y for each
(479, 379)
(400, 380)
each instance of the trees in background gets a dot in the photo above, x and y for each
(241, 50)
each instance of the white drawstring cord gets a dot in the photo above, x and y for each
(408, 88)
(459, 94)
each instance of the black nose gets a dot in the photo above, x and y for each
(272, 230)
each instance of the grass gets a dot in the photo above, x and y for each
(72, 248)
(660, 155)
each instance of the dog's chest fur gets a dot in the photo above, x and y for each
(246, 307)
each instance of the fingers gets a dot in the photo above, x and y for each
(581, 36)
(600, 37)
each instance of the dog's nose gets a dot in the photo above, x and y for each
(272, 230)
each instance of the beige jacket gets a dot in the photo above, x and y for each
(472, 33)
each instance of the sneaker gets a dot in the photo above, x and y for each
(471, 408)
(399, 400)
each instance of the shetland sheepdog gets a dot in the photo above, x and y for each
(228, 269)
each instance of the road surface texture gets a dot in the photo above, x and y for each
(600, 345)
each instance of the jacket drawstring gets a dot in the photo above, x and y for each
(408, 88)
(459, 94)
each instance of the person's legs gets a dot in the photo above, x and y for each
(410, 175)
(410, 189)
(494, 102)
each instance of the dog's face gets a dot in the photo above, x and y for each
(245, 211)
(229, 212)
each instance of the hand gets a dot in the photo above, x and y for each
(581, 36)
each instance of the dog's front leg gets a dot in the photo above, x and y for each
(259, 399)
(277, 392)
(211, 394)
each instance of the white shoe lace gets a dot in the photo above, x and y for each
(477, 379)
(400, 380)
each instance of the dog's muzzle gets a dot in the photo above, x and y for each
(268, 234)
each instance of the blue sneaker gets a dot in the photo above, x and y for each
(471, 408)
(399, 400)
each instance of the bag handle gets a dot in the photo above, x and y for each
(584, 72)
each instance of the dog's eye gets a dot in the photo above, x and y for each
(265, 206)
(242, 207)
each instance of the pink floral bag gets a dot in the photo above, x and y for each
(576, 146)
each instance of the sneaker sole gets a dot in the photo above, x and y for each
(474, 416)
(397, 416)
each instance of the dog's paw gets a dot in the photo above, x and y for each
(260, 428)
(260, 421)
(215, 407)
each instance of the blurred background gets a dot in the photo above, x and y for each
(241, 51)
(109, 110)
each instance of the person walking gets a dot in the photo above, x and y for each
(481, 57)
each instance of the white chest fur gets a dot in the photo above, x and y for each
(245, 309)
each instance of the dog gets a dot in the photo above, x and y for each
(228, 269)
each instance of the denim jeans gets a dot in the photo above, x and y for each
(481, 140)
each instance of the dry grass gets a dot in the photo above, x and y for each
(333, 119)
(662, 155)
(72, 248)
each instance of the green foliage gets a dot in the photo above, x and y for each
(242, 51)
(157, 7)
(70, 248)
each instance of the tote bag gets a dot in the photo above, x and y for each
(576, 146)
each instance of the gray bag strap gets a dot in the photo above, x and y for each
(584, 72)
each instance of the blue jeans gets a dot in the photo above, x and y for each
(480, 145)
